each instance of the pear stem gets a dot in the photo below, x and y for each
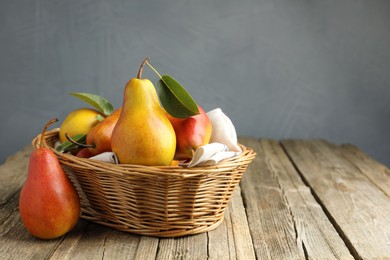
(158, 74)
(141, 68)
(79, 144)
(53, 120)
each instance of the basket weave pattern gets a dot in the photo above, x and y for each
(163, 201)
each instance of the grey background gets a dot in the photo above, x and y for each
(278, 68)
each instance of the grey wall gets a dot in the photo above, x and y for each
(278, 68)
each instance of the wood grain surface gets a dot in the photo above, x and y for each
(299, 199)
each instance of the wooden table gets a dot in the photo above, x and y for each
(299, 199)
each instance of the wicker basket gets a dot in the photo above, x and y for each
(162, 201)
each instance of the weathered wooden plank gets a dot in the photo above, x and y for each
(359, 210)
(232, 239)
(147, 248)
(13, 174)
(6, 212)
(221, 240)
(188, 247)
(167, 249)
(315, 233)
(93, 241)
(85, 242)
(269, 216)
(17, 243)
(121, 245)
(373, 170)
(240, 227)
(285, 221)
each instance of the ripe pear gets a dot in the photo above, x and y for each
(99, 138)
(143, 134)
(79, 121)
(191, 133)
(49, 205)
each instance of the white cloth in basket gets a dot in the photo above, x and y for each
(106, 157)
(223, 130)
(210, 154)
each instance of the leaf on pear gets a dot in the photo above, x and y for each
(68, 146)
(99, 117)
(100, 103)
(175, 99)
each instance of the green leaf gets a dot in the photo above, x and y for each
(100, 117)
(175, 99)
(67, 146)
(100, 103)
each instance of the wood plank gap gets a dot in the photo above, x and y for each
(345, 239)
(241, 233)
(288, 206)
(56, 246)
(271, 226)
(244, 199)
(147, 247)
(104, 246)
(208, 245)
(121, 245)
(244, 202)
(72, 238)
(305, 251)
(158, 247)
(291, 215)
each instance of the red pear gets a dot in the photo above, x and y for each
(191, 132)
(99, 137)
(48, 204)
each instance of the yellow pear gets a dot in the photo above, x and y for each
(143, 134)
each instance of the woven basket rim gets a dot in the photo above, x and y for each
(247, 155)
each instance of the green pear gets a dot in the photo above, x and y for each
(143, 134)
